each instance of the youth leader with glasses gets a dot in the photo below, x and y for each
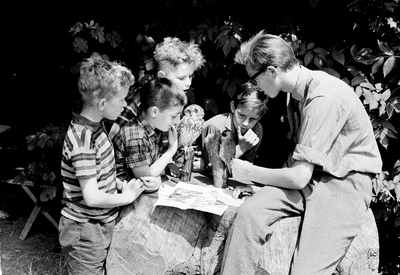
(329, 182)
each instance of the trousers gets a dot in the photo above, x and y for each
(332, 211)
(85, 245)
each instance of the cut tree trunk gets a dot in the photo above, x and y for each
(165, 240)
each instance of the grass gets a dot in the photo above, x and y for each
(32, 263)
(40, 253)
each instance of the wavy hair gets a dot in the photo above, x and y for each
(174, 52)
(100, 78)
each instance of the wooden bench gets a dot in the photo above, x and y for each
(165, 240)
(36, 209)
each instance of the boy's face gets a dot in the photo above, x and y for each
(114, 105)
(168, 118)
(181, 74)
(246, 118)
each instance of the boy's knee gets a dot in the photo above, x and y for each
(248, 210)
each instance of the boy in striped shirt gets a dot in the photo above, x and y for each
(88, 173)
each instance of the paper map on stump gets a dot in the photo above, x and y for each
(202, 198)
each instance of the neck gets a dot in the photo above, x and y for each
(91, 114)
(148, 118)
(290, 78)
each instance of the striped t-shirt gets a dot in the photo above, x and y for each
(87, 153)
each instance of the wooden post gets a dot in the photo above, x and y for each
(186, 171)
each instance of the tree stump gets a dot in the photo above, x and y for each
(165, 240)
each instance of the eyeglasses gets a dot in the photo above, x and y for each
(253, 80)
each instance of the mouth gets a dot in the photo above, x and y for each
(243, 131)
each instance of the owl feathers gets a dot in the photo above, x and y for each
(190, 126)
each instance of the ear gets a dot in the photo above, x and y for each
(232, 106)
(154, 111)
(273, 71)
(102, 104)
(160, 74)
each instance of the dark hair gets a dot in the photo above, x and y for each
(162, 93)
(252, 97)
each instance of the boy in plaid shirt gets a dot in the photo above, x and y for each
(138, 143)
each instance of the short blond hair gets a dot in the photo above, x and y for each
(266, 50)
(101, 78)
(173, 51)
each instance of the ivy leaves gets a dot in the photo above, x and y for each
(96, 32)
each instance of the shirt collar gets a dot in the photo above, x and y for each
(91, 125)
(146, 126)
(299, 88)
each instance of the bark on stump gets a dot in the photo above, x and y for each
(165, 240)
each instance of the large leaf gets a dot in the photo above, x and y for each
(308, 58)
(310, 46)
(317, 61)
(222, 41)
(353, 70)
(388, 125)
(357, 80)
(222, 33)
(383, 139)
(378, 63)
(226, 48)
(320, 50)
(233, 42)
(384, 47)
(367, 85)
(338, 56)
(353, 50)
(231, 88)
(388, 65)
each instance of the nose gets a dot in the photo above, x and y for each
(188, 82)
(246, 122)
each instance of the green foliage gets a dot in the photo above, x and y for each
(44, 154)
(219, 44)
(82, 33)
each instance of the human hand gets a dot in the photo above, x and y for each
(151, 184)
(121, 184)
(173, 138)
(242, 192)
(133, 189)
(248, 140)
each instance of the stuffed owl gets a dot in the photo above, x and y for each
(190, 126)
(188, 129)
(221, 149)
